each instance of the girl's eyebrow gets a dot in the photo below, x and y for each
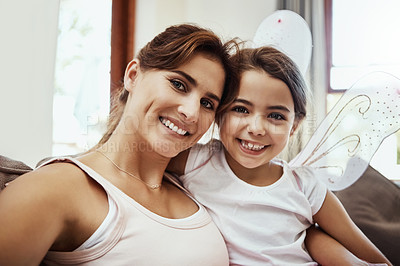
(273, 107)
(238, 100)
(279, 107)
(192, 81)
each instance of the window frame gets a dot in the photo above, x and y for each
(329, 62)
(122, 40)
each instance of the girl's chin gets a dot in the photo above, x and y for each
(250, 165)
(244, 161)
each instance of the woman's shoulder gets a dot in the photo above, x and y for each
(60, 171)
(43, 204)
(53, 183)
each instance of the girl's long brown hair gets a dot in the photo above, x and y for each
(279, 66)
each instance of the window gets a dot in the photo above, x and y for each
(82, 75)
(364, 39)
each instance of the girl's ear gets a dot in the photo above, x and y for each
(294, 127)
(131, 73)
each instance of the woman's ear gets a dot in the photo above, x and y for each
(131, 73)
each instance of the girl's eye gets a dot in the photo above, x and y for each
(240, 109)
(178, 85)
(207, 104)
(276, 116)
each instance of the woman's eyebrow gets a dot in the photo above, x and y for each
(213, 96)
(194, 83)
(186, 76)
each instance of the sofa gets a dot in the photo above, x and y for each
(373, 202)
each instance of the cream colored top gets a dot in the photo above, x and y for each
(141, 237)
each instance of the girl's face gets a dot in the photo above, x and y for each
(258, 124)
(170, 110)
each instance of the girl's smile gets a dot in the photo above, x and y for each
(258, 124)
(252, 147)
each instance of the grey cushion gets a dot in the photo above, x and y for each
(373, 202)
(11, 169)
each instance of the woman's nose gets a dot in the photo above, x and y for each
(255, 125)
(190, 109)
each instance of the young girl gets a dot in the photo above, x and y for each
(260, 204)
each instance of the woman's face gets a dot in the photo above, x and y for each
(169, 110)
(257, 126)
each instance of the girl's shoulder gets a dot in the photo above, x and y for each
(210, 147)
(303, 175)
(303, 171)
(200, 154)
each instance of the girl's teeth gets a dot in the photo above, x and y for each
(251, 146)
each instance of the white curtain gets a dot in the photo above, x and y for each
(313, 11)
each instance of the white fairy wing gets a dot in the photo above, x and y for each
(288, 32)
(346, 140)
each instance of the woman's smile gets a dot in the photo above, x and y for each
(175, 127)
(175, 107)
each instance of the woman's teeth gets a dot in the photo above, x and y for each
(171, 126)
(251, 146)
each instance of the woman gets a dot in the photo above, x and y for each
(113, 205)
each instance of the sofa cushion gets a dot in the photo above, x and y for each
(11, 169)
(373, 202)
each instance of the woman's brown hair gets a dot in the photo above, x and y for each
(172, 48)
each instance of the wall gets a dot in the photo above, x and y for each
(27, 51)
(228, 18)
(28, 48)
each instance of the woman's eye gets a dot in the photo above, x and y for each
(276, 116)
(207, 104)
(178, 85)
(240, 109)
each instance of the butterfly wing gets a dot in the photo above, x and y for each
(288, 32)
(344, 143)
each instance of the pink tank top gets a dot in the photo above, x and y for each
(141, 237)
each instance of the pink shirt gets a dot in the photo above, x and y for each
(141, 237)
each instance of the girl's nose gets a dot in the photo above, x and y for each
(255, 126)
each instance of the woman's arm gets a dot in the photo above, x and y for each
(34, 213)
(334, 220)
